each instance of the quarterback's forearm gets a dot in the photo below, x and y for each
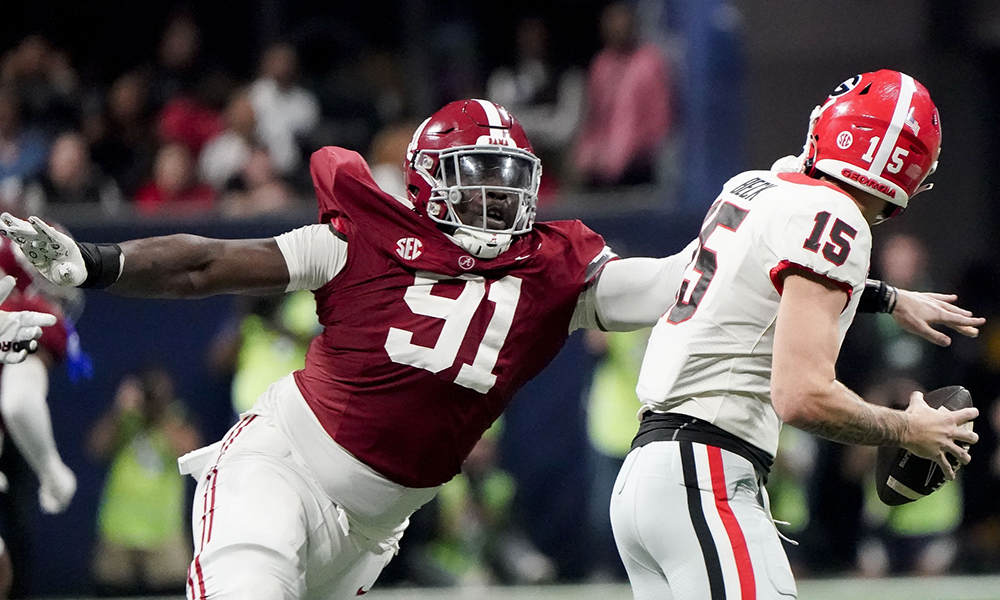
(839, 414)
(189, 266)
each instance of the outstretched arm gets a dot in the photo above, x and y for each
(917, 311)
(631, 293)
(173, 266)
(189, 266)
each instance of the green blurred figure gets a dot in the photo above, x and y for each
(477, 539)
(143, 545)
(917, 538)
(267, 343)
(612, 421)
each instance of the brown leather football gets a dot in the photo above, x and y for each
(902, 477)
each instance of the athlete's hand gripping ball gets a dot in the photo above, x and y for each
(52, 252)
(19, 331)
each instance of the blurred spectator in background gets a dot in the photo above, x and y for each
(384, 81)
(548, 100)
(256, 190)
(787, 492)
(72, 178)
(120, 134)
(22, 151)
(174, 189)
(902, 261)
(179, 68)
(386, 156)
(979, 371)
(910, 539)
(267, 340)
(285, 110)
(142, 542)
(612, 406)
(478, 536)
(225, 155)
(194, 119)
(46, 82)
(627, 114)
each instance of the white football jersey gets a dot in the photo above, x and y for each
(709, 355)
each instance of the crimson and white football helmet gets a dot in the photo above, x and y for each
(879, 132)
(474, 151)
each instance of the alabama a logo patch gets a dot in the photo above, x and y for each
(409, 248)
(466, 262)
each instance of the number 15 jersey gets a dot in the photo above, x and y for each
(709, 355)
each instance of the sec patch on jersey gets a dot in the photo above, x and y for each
(902, 477)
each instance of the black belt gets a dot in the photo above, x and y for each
(665, 427)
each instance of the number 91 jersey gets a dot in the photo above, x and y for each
(423, 344)
(709, 356)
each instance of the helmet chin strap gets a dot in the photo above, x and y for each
(481, 244)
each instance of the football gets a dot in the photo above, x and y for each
(902, 477)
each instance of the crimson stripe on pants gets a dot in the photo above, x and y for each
(208, 510)
(748, 587)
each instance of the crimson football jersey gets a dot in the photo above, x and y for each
(423, 344)
(24, 296)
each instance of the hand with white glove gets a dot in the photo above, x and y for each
(19, 331)
(53, 253)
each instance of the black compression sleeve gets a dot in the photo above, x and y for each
(103, 262)
(878, 297)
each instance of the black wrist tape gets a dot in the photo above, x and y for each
(878, 297)
(103, 262)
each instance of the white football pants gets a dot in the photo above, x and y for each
(689, 526)
(265, 522)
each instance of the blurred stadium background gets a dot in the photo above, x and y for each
(740, 79)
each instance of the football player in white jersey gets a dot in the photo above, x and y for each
(750, 342)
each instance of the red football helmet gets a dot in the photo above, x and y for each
(879, 132)
(474, 150)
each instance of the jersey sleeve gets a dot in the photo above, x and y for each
(826, 235)
(314, 254)
(633, 293)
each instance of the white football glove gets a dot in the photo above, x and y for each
(52, 252)
(19, 331)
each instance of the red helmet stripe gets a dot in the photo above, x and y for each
(492, 114)
(906, 89)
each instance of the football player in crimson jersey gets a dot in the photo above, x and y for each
(24, 387)
(750, 343)
(436, 309)
(20, 331)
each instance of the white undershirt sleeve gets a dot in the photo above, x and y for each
(632, 293)
(314, 255)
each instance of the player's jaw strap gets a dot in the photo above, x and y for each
(104, 264)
